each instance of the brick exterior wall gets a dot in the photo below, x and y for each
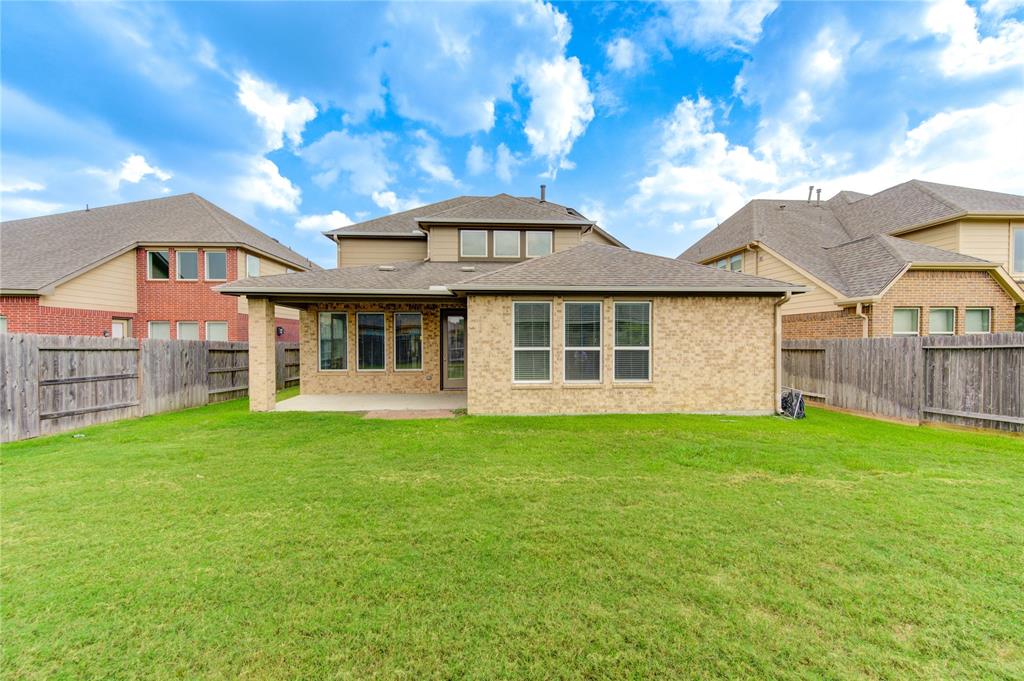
(816, 325)
(935, 288)
(167, 300)
(428, 380)
(25, 315)
(709, 354)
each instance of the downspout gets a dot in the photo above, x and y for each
(860, 313)
(778, 349)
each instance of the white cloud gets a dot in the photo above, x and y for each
(320, 223)
(362, 158)
(717, 23)
(15, 207)
(279, 116)
(623, 54)
(504, 163)
(478, 161)
(133, 170)
(430, 160)
(997, 9)
(392, 203)
(21, 186)
(967, 53)
(263, 184)
(561, 107)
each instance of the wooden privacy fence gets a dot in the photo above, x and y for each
(52, 384)
(975, 380)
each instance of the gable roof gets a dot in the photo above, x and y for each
(597, 267)
(501, 208)
(43, 251)
(834, 241)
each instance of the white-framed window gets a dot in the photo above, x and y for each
(582, 342)
(978, 320)
(531, 342)
(161, 330)
(333, 341)
(942, 321)
(721, 264)
(187, 265)
(3, 324)
(188, 330)
(158, 265)
(216, 265)
(632, 341)
(506, 243)
(371, 350)
(473, 243)
(906, 321)
(408, 341)
(736, 263)
(1018, 250)
(252, 265)
(216, 331)
(539, 243)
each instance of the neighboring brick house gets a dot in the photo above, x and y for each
(527, 306)
(917, 258)
(142, 269)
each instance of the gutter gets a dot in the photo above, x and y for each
(634, 289)
(778, 349)
(417, 234)
(505, 221)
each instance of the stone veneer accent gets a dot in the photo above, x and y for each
(262, 369)
(940, 288)
(350, 380)
(708, 354)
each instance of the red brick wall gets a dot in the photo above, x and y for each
(25, 315)
(928, 288)
(815, 325)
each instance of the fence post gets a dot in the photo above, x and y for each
(920, 377)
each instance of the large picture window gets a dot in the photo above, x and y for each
(538, 244)
(370, 341)
(633, 341)
(531, 342)
(158, 264)
(582, 342)
(188, 264)
(333, 341)
(216, 265)
(473, 243)
(905, 321)
(408, 341)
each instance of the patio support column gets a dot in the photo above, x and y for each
(262, 351)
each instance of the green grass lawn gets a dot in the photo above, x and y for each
(215, 543)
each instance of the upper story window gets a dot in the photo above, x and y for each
(506, 243)
(158, 265)
(187, 264)
(1018, 250)
(216, 265)
(473, 243)
(539, 243)
(252, 265)
(733, 263)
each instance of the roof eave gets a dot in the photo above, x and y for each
(779, 290)
(505, 221)
(377, 235)
(265, 292)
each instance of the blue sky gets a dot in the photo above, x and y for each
(659, 120)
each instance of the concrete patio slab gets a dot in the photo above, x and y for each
(405, 414)
(375, 402)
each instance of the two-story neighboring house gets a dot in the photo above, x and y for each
(917, 258)
(529, 308)
(145, 269)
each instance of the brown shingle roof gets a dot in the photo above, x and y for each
(37, 252)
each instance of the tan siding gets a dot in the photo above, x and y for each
(444, 244)
(267, 268)
(355, 252)
(986, 239)
(815, 300)
(566, 239)
(111, 286)
(279, 312)
(695, 367)
(750, 262)
(940, 236)
(597, 238)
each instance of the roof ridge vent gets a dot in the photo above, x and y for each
(385, 268)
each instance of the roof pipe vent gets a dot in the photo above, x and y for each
(810, 193)
(468, 268)
(818, 202)
(543, 193)
(385, 268)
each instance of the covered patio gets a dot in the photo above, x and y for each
(376, 402)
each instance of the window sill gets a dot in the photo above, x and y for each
(532, 386)
(584, 386)
(633, 385)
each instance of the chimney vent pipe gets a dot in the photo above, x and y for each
(543, 193)
(810, 193)
(818, 203)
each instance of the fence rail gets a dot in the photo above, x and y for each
(52, 384)
(975, 380)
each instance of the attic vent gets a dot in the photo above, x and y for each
(468, 268)
(386, 268)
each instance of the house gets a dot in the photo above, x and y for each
(917, 258)
(145, 269)
(526, 306)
